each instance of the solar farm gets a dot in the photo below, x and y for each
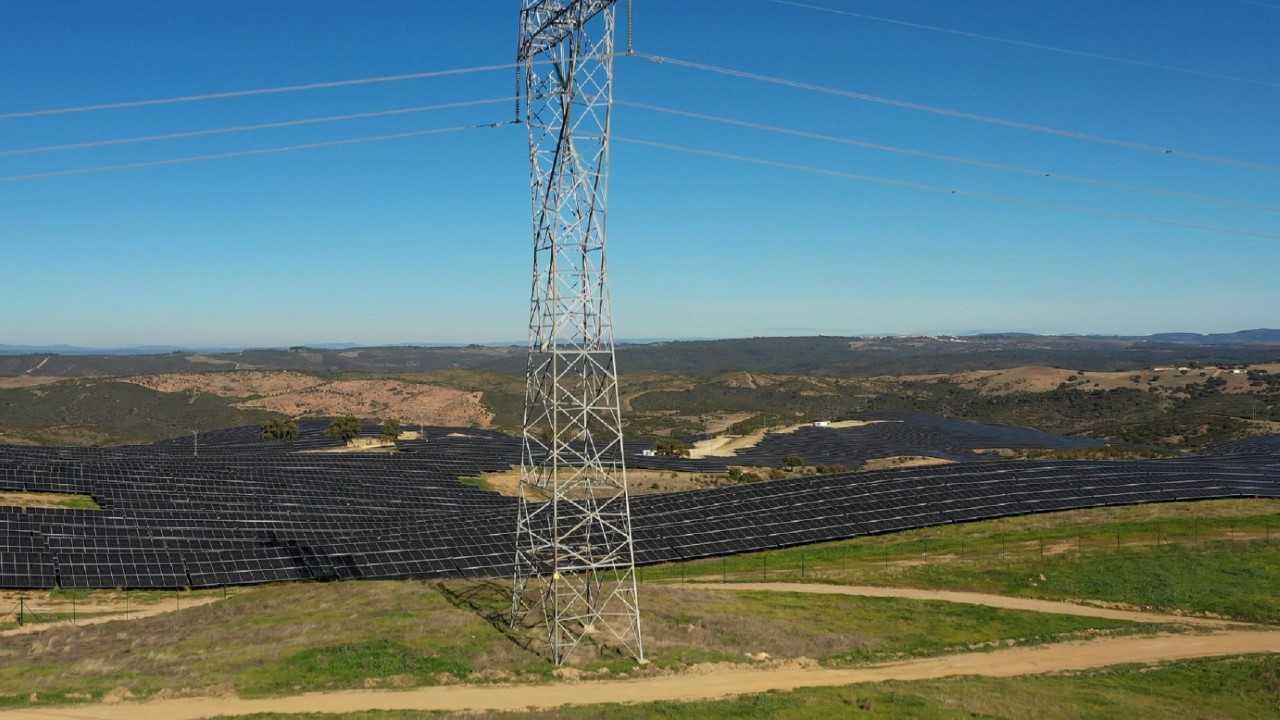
(247, 511)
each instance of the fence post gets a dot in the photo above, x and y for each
(1041, 549)
(22, 609)
(73, 609)
(724, 573)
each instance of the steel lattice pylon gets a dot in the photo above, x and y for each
(574, 561)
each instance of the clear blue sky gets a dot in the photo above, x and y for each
(427, 239)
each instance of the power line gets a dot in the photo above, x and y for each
(1027, 44)
(959, 114)
(248, 153)
(974, 162)
(260, 91)
(924, 187)
(248, 128)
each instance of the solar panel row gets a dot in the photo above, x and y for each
(247, 512)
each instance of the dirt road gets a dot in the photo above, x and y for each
(693, 686)
(136, 613)
(1003, 602)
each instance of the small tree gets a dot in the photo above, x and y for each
(671, 446)
(282, 430)
(345, 428)
(792, 461)
(390, 429)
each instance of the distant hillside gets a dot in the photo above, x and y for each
(800, 355)
(1263, 336)
(93, 412)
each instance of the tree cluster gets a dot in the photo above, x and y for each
(281, 430)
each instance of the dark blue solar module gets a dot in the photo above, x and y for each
(247, 511)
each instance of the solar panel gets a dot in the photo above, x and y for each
(248, 511)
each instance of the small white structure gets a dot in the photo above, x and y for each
(822, 423)
(649, 453)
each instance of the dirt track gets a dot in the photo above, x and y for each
(693, 686)
(137, 613)
(1003, 602)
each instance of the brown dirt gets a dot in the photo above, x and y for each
(235, 384)
(1044, 379)
(34, 499)
(410, 402)
(639, 481)
(26, 381)
(728, 445)
(710, 682)
(104, 607)
(1003, 602)
(300, 394)
(902, 461)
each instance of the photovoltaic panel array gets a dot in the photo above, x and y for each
(247, 511)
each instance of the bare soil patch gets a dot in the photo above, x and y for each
(1004, 602)
(728, 445)
(902, 461)
(714, 681)
(382, 398)
(45, 500)
(26, 381)
(639, 481)
(234, 384)
(1044, 379)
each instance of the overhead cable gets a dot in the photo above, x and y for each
(247, 128)
(974, 162)
(249, 153)
(280, 89)
(925, 187)
(960, 114)
(1027, 44)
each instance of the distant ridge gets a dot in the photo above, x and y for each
(1261, 336)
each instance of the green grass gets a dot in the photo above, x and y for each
(477, 482)
(1245, 688)
(349, 665)
(842, 630)
(63, 501)
(1210, 557)
(267, 640)
(296, 638)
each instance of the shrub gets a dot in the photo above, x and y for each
(671, 446)
(345, 428)
(390, 429)
(282, 430)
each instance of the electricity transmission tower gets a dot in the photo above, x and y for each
(574, 562)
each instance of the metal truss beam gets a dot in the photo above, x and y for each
(574, 561)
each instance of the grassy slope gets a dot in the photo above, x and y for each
(104, 412)
(294, 638)
(1208, 557)
(1245, 688)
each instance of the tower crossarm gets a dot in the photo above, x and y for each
(545, 23)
